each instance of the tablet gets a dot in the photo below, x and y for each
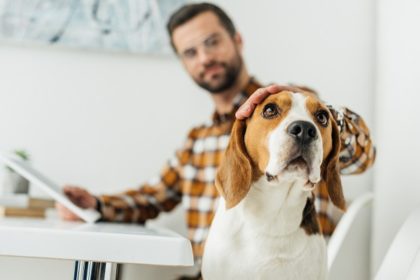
(52, 189)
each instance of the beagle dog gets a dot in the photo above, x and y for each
(265, 225)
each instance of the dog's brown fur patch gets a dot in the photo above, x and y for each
(309, 221)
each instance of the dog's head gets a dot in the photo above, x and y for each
(290, 136)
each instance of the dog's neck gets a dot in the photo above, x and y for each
(274, 208)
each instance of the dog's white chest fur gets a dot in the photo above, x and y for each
(261, 238)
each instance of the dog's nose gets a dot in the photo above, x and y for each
(304, 132)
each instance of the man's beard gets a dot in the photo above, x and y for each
(228, 79)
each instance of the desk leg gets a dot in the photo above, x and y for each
(85, 270)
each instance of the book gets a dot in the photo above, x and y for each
(22, 212)
(25, 201)
(40, 203)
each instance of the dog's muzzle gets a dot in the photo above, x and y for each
(302, 152)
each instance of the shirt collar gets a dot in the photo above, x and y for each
(249, 89)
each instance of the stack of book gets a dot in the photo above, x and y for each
(22, 205)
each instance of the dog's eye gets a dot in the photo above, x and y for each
(270, 111)
(322, 117)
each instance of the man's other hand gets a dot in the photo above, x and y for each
(78, 196)
(258, 96)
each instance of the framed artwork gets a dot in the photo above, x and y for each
(135, 26)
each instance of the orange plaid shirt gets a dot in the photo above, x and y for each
(189, 177)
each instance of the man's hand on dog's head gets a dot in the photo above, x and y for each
(258, 96)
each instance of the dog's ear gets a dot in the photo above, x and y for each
(233, 179)
(330, 173)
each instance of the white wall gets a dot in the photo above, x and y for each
(397, 188)
(106, 121)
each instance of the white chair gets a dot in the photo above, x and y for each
(349, 246)
(402, 261)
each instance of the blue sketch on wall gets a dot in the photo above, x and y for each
(117, 25)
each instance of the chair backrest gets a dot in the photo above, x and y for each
(349, 246)
(402, 261)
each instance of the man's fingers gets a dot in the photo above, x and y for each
(277, 88)
(243, 112)
(76, 195)
(258, 96)
(65, 214)
(274, 88)
(72, 195)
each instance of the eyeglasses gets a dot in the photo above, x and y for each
(209, 45)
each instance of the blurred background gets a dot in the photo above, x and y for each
(103, 118)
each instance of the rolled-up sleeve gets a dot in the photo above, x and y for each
(357, 150)
(148, 200)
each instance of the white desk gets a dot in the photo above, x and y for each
(101, 242)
